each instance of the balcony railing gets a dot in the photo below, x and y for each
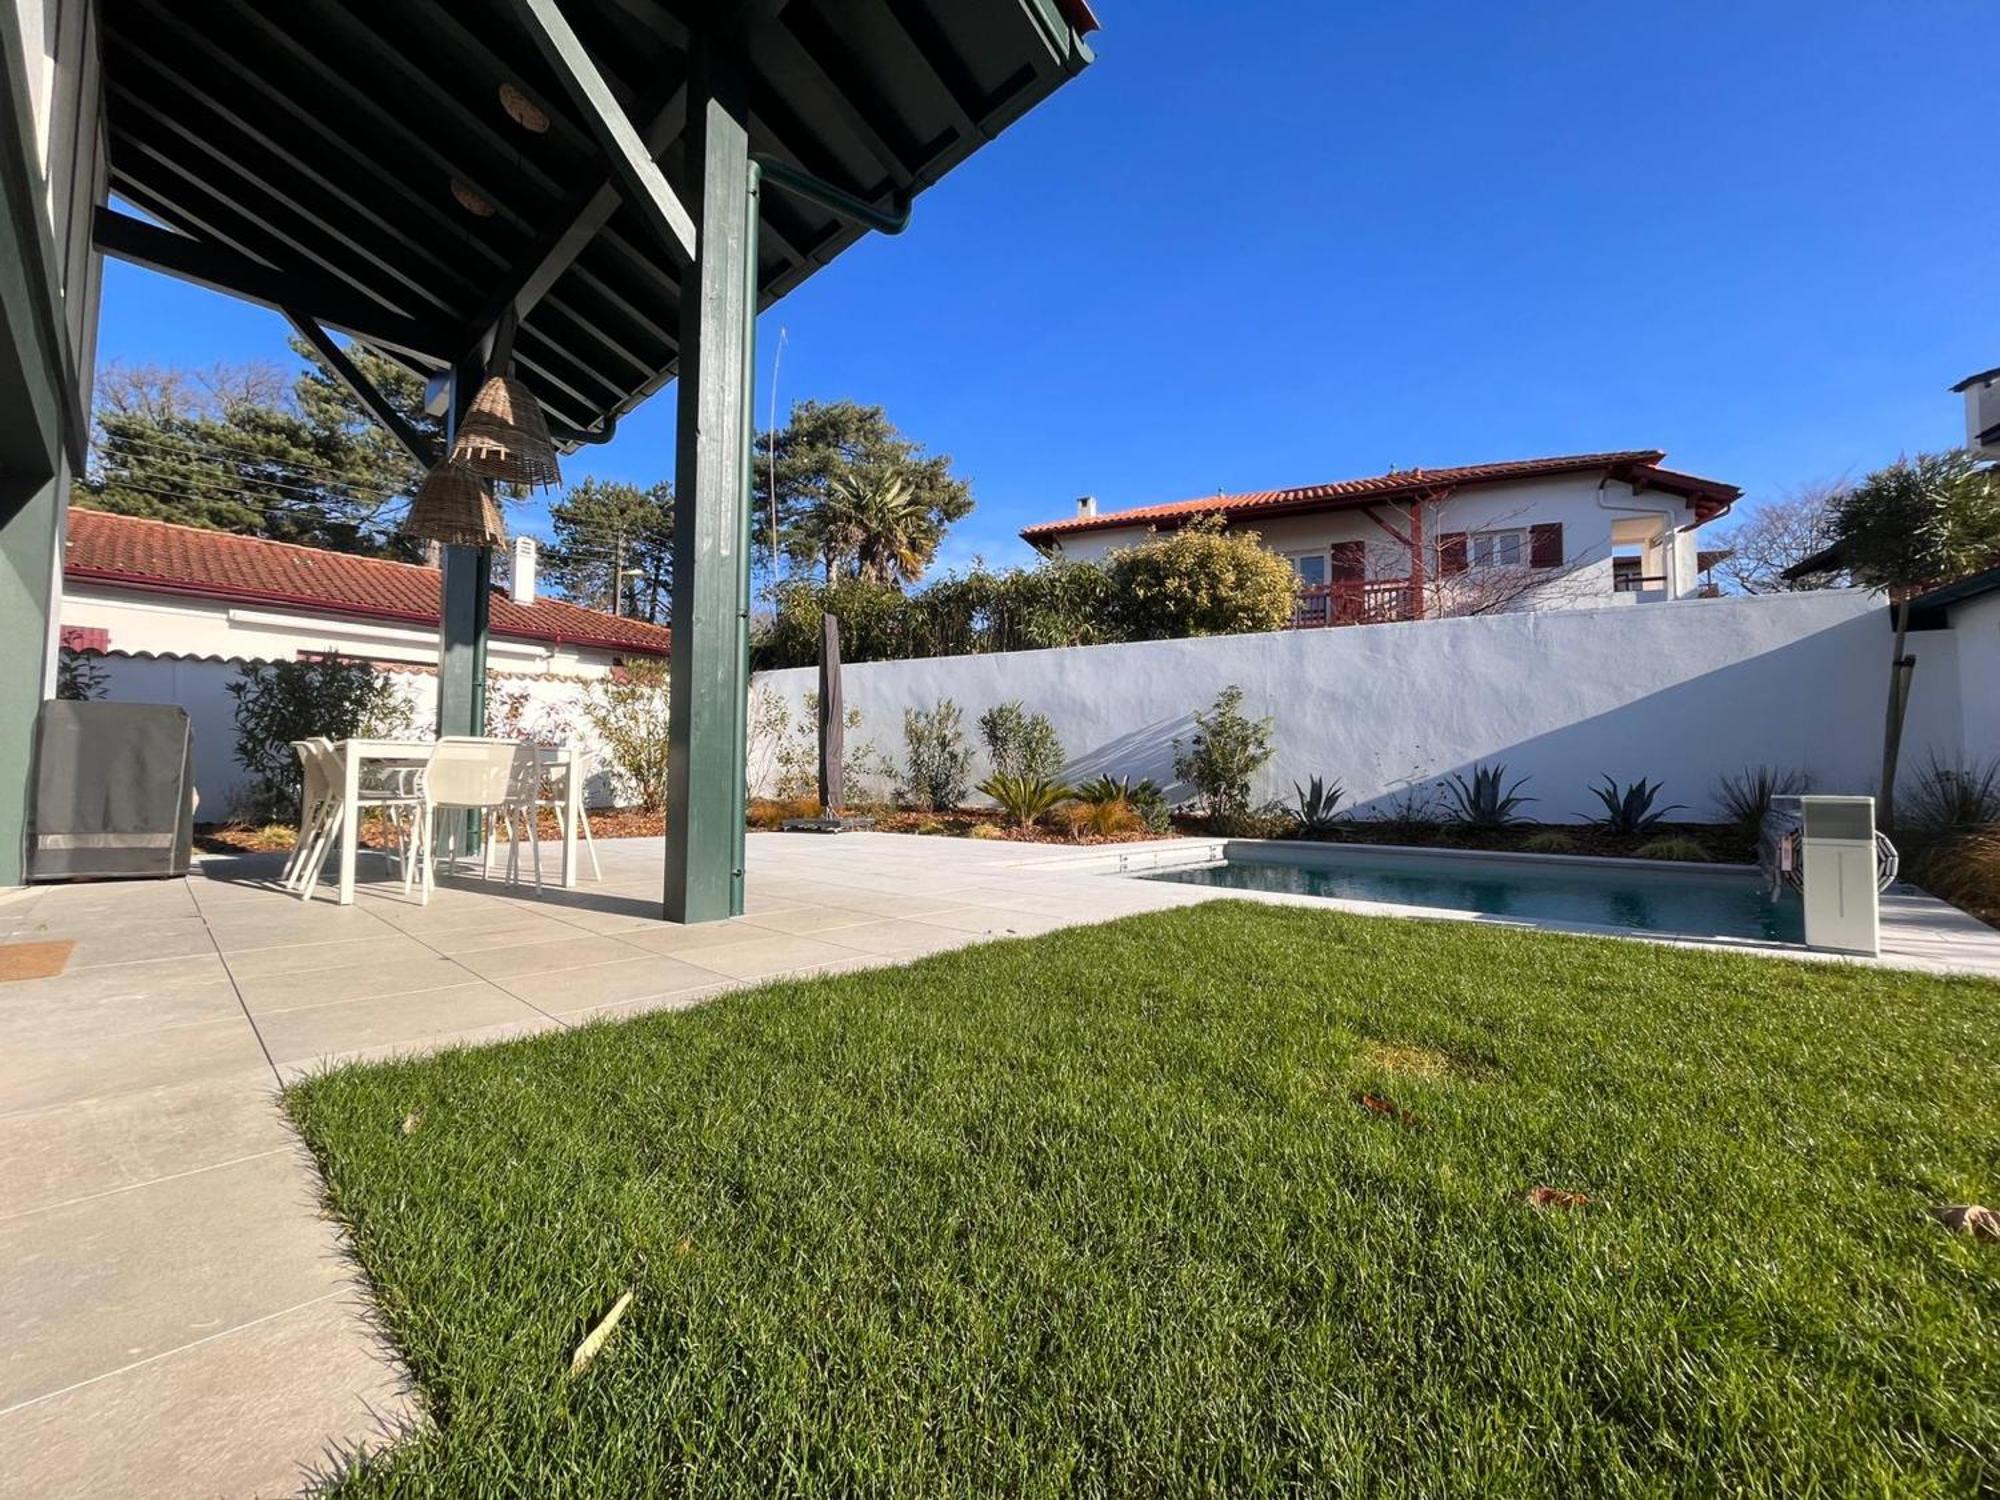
(1637, 583)
(1378, 601)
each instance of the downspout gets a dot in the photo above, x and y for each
(1669, 551)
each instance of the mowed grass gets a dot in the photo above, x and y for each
(1100, 1213)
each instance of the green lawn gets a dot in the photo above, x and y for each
(1100, 1213)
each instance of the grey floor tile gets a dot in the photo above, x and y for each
(103, 1145)
(242, 1413)
(390, 1021)
(92, 1286)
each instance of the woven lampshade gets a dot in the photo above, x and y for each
(456, 508)
(505, 436)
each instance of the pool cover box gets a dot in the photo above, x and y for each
(114, 791)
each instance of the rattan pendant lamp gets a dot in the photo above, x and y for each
(504, 436)
(456, 507)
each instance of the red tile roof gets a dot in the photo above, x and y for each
(1709, 497)
(132, 552)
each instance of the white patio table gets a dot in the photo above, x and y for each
(354, 754)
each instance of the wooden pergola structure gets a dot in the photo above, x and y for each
(623, 184)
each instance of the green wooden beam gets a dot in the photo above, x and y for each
(214, 266)
(709, 711)
(362, 388)
(633, 168)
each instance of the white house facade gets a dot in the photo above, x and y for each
(1578, 531)
(172, 614)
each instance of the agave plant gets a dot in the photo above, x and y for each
(1631, 811)
(1485, 801)
(1315, 804)
(1026, 800)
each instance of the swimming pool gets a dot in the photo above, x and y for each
(1600, 893)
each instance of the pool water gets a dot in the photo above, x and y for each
(1690, 903)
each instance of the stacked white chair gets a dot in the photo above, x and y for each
(554, 795)
(324, 814)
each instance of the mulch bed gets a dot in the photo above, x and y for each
(1721, 842)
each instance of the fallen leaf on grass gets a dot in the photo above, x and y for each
(413, 1121)
(594, 1340)
(1388, 1109)
(1548, 1197)
(1975, 1219)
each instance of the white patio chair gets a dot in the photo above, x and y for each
(465, 774)
(395, 795)
(524, 798)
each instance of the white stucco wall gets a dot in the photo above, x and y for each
(1573, 501)
(169, 649)
(1679, 692)
(1975, 626)
(184, 625)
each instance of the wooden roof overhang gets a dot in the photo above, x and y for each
(354, 164)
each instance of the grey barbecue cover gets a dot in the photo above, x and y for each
(114, 790)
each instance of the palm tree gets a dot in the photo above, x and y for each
(1920, 522)
(882, 524)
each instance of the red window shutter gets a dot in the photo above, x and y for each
(1451, 552)
(1350, 562)
(1545, 545)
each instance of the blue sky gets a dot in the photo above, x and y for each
(1275, 243)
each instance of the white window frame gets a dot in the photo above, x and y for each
(1489, 543)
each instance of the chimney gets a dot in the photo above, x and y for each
(1086, 507)
(523, 590)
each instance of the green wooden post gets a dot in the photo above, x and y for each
(709, 710)
(465, 593)
(464, 609)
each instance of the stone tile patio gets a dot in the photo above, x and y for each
(180, 1320)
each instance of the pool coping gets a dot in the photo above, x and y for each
(1910, 917)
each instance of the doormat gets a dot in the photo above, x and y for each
(34, 960)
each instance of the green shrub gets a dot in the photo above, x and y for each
(1025, 800)
(939, 762)
(1019, 743)
(1950, 797)
(1199, 580)
(629, 712)
(1631, 811)
(1550, 841)
(1481, 802)
(278, 702)
(1745, 797)
(80, 676)
(1672, 846)
(1224, 753)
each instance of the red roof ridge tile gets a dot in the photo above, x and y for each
(1642, 462)
(144, 552)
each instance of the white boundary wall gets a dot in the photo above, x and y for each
(1679, 692)
(552, 710)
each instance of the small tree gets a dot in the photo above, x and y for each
(1019, 743)
(1225, 752)
(1199, 580)
(330, 696)
(1921, 521)
(629, 712)
(80, 676)
(1777, 535)
(939, 768)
